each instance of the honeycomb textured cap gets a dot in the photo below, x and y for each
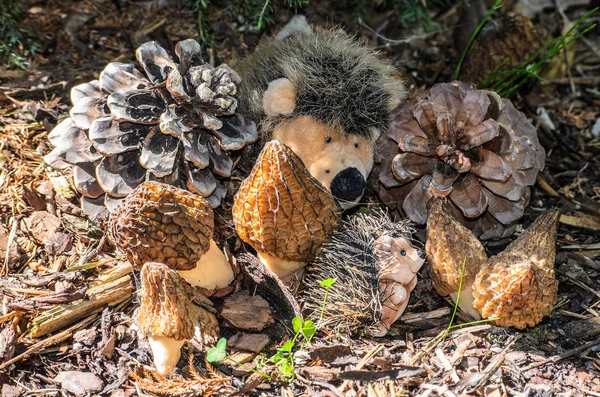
(449, 245)
(281, 210)
(171, 307)
(519, 285)
(161, 223)
(517, 289)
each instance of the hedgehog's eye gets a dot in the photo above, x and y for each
(327, 171)
(356, 145)
(403, 253)
(328, 139)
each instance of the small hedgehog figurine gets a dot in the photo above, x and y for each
(375, 263)
(324, 95)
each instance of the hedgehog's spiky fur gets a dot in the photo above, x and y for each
(339, 81)
(354, 302)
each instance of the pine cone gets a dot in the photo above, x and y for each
(469, 145)
(503, 43)
(177, 125)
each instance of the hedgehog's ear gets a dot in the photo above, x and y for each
(375, 134)
(280, 98)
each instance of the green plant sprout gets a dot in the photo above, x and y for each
(16, 42)
(284, 358)
(218, 353)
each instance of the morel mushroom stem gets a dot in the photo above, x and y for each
(285, 269)
(166, 352)
(212, 270)
(465, 301)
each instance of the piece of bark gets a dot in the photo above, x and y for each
(46, 302)
(362, 375)
(250, 342)
(319, 374)
(247, 312)
(45, 229)
(257, 277)
(337, 355)
(8, 337)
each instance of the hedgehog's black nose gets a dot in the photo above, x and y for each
(421, 254)
(348, 185)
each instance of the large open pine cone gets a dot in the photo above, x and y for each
(469, 145)
(176, 125)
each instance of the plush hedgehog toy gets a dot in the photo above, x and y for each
(327, 97)
(375, 264)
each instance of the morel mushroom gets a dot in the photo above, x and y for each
(283, 212)
(172, 312)
(454, 256)
(468, 145)
(375, 263)
(518, 287)
(176, 124)
(161, 223)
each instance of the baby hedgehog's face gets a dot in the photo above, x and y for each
(341, 162)
(399, 262)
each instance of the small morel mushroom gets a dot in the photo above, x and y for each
(176, 124)
(451, 247)
(283, 212)
(172, 312)
(468, 145)
(504, 42)
(161, 223)
(518, 286)
(375, 264)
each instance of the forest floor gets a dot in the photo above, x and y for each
(68, 299)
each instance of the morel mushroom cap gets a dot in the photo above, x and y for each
(375, 263)
(283, 212)
(171, 312)
(518, 286)
(161, 223)
(468, 145)
(177, 125)
(449, 247)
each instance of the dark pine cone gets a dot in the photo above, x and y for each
(469, 145)
(503, 43)
(176, 124)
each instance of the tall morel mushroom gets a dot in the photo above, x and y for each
(161, 223)
(465, 144)
(172, 312)
(283, 212)
(518, 287)
(176, 124)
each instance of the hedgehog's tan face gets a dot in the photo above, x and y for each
(341, 162)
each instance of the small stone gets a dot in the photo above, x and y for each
(9, 391)
(79, 383)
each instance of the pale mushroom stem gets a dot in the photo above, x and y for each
(212, 270)
(166, 352)
(284, 269)
(466, 301)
